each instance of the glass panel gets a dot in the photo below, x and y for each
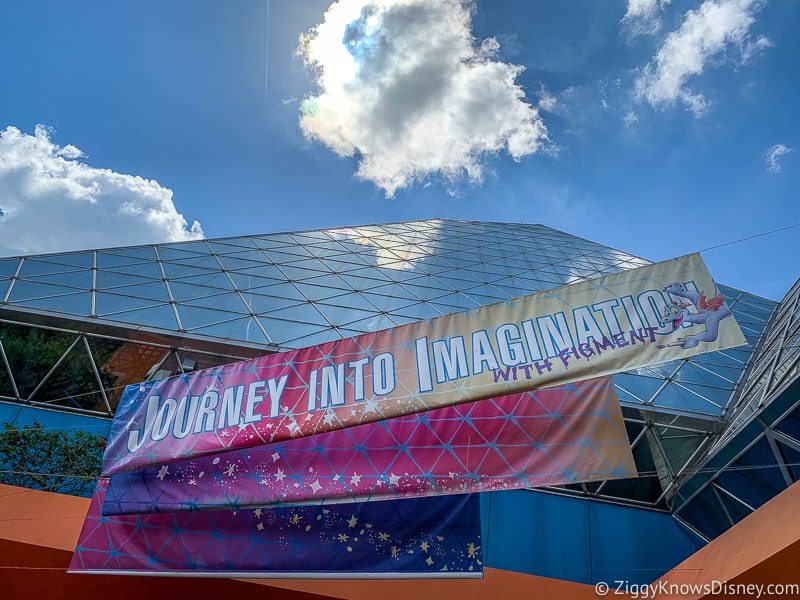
(228, 302)
(751, 477)
(76, 304)
(122, 363)
(246, 330)
(33, 268)
(8, 267)
(25, 290)
(113, 303)
(110, 280)
(193, 317)
(156, 316)
(217, 280)
(32, 353)
(151, 270)
(281, 331)
(73, 384)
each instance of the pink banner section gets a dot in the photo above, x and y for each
(567, 434)
(644, 316)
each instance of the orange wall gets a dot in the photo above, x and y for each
(763, 548)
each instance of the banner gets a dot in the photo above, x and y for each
(427, 537)
(614, 323)
(568, 434)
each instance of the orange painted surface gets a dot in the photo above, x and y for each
(762, 549)
(39, 530)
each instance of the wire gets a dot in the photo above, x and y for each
(750, 237)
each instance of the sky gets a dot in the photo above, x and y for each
(658, 127)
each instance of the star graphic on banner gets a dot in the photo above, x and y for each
(343, 537)
(330, 417)
(429, 561)
(394, 479)
(472, 550)
(163, 472)
(230, 470)
(260, 526)
(424, 546)
(280, 475)
(352, 522)
(355, 479)
(263, 481)
(337, 477)
(257, 512)
(296, 519)
(439, 538)
(315, 487)
(383, 536)
(370, 406)
(395, 552)
(293, 428)
(275, 457)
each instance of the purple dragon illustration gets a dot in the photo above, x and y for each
(709, 311)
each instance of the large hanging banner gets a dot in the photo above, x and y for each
(422, 537)
(568, 434)
(644, 316)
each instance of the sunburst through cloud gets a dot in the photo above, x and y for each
(406, 88)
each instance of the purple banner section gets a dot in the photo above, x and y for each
(567, 434)
(398, 538)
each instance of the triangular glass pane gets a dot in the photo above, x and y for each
(262, 304)
(152, 290)
(198, 247)
(27, 290)
(73, 384)
(183, 292)
(277, 290)
(193, 317)
(318, 292)
(305, 313)
(227, 245)
(108, 280)
(106, 303)
(32, 268)
(161, 316)
(77, 279)
(72, 260)
(281, 331)
(233, 263)
(8, 267)
(268, 271)
(142, 253)
(297, 274)
(389, 303)
(150, 270)
(199, 261)
(339, 315)
(178, 254)
(215, 280)
(75, 304)
(231, 302)
(244, 330)
(320, 337)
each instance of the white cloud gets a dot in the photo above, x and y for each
(630, 118)
(52, 202)
(705, 34)
(643, 17)
(411, 93)
(772, 156)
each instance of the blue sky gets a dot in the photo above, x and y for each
(657, 127)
